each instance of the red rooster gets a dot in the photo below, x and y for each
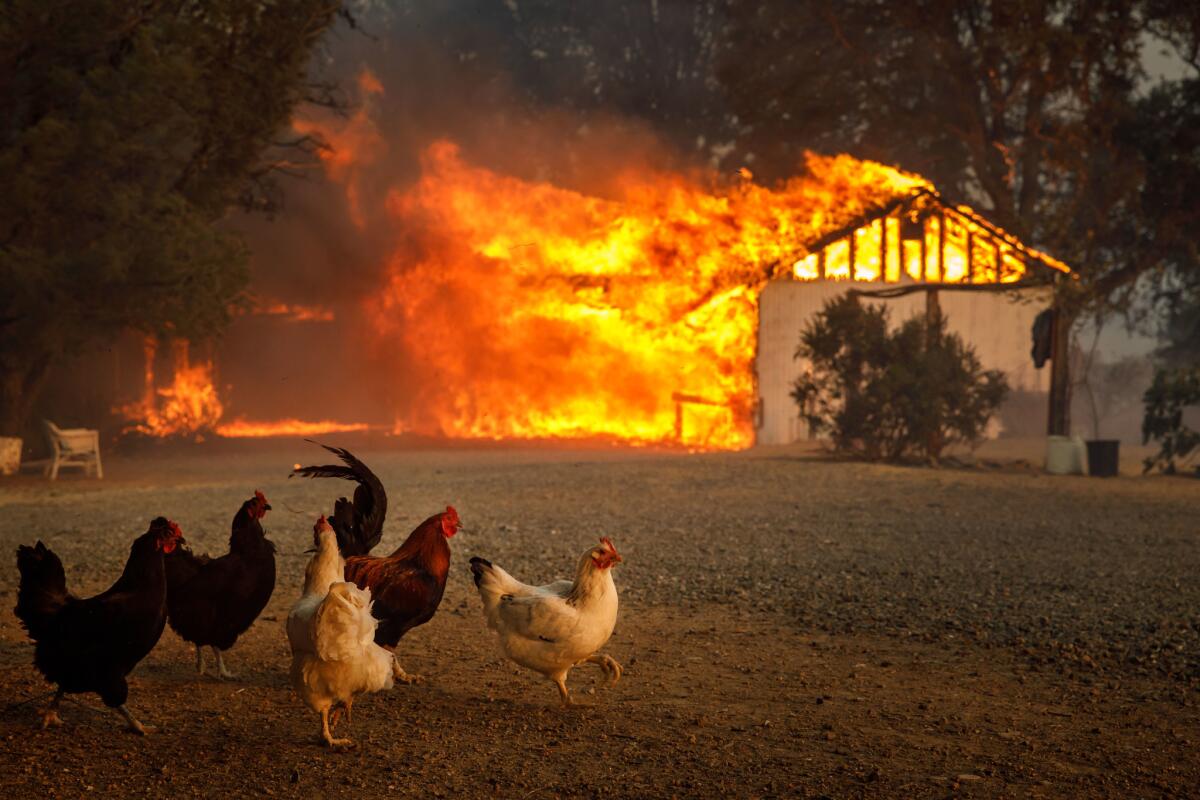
(91, 644)
(406, 586)
(213, 601)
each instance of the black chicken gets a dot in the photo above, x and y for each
(213, 601)
(91, 644)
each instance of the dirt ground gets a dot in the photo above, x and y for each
(790, 626)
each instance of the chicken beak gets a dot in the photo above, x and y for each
(267, 507)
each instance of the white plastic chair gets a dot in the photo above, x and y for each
(73, 447)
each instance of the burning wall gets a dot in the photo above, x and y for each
(535, 311)
(531, 310)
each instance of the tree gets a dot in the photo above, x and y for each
(1171, 139)
(1041, 113)
(892, 395)
(130, 130)
(1169, 394)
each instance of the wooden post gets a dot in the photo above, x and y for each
(821, 264)
(933, 315)
(1058, 417)
(941, 260)
(853, 247)
(924, 253)
(883, 249)
(970, 257)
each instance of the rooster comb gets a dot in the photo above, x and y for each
(260, 497)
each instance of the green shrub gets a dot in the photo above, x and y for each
(1171, 391)
(892, 395)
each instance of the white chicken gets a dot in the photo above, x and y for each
(551, 628)
(332, 634)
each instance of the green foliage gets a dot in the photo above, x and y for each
(892, 395)
(1171, 391)
(129, 130)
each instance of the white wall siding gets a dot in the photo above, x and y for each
(997, 326)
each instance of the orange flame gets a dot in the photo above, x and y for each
(537, 311)
(348, 143)
(191, 406)
(244, 429)
(521, 309)
(295, 313)
(186, 407)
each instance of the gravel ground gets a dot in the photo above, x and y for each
(791, 626)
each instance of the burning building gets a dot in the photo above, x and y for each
(536, 311)
(987, 284)
(665, 310)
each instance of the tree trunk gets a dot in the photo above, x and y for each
(21, 379)
(1058, 419)
(933, 320)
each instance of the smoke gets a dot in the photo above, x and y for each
(470, 72)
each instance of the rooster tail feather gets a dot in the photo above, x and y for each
(358, 524)
(325, 471)
(43, 587)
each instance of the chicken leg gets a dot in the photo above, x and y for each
(134, 725)
(398, 672)
(607, 663)
(221, 669)
(328, 736)
(335, 713)
(50, 717)
(564, 695)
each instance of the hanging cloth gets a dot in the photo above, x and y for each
(1043, 338)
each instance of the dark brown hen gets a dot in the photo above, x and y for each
(91, 644)
(213, 601)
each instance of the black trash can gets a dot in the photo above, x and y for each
(1104, 457)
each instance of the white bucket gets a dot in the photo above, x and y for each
(10, 455)
(1065, 455)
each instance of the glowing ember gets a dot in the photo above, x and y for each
(295, 313)
(245, 429)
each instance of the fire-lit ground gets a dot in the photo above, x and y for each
(790, 626)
